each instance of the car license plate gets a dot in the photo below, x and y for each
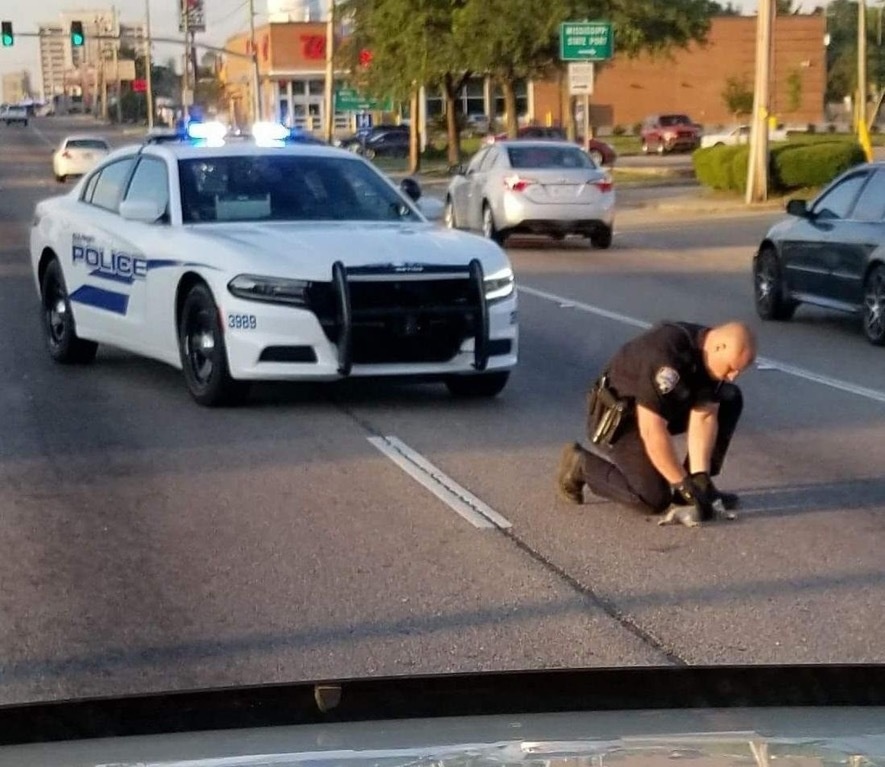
(561, 192)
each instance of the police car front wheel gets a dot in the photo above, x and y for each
(58, 322)
(203, 354)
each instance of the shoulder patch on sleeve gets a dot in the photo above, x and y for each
(666, 379)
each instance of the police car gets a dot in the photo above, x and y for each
(263, 259)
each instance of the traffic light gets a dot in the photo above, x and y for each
(7, 36)
(77, 34)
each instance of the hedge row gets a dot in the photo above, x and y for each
(791, 166)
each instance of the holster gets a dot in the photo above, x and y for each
(606, 413)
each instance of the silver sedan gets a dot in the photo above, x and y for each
(536, 187)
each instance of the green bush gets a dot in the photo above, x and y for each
(619, 130)
(636, 129)
(792, 166)
(814, 164)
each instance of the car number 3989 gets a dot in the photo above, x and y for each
(242, 321)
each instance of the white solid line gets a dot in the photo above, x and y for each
(569, 303)
(459, 499)
(762, 363)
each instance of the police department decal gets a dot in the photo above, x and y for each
(666, 379)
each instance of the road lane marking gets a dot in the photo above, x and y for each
(458, 498)
(42, 136)
(762, 363)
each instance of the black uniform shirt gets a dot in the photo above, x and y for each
(663, 369)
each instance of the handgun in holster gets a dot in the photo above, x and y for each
(606, 413)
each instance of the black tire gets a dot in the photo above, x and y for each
(203, 353)
(479, 385)
(874, 306)
(768, 288)
(602, 237)
(489, 230)
(61, 179)
(59, 328)
(449, 215)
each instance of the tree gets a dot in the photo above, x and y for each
(842, 49)
(738, 96)
(784, 7)
(717, 9)
(511, 39)
(412, 44)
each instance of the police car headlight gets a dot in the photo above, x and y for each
(274, 290)
(499, 285)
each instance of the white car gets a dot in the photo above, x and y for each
(14, 115)
(77, 155)
(740, 134)
(242, 263)
(532, 187)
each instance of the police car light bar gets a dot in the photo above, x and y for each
(269, 132)
(212, 132)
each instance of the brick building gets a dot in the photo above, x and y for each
(693, 80)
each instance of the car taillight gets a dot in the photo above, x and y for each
(604, 184)
(517, 184)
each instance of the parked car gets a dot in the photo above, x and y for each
(739, 134)
(389, 143)
(14, 115)
(600, 152)
(356, 142)
(77, 155)
(532, 186)
(669, 133)
(829, 253)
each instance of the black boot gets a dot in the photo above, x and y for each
(570, 474)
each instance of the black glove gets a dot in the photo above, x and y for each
(695, 493)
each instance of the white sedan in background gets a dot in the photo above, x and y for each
(237, 261)
(534, 187)
(77, 155)
(738, 135)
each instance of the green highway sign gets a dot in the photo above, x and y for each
(349, 100)
(586, 41)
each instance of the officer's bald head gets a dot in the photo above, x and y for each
(729, 349)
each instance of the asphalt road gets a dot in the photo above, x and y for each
(148, 544)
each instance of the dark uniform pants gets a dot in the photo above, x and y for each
(628, 475)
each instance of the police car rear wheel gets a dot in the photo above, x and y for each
(481, 385)
(58, 321)
(768, 288)
(203, 354)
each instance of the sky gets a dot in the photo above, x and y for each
(223, 19)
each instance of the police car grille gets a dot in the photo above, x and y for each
(401, 321)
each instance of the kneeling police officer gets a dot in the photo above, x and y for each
(676, 378)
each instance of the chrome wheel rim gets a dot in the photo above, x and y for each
(874, 306)
(487, 225)
(200, 346)
(766, 280)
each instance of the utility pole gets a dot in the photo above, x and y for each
(757, 170)
(861, 63)
(329, 95)
(184, 78)
(116, 54)
(147, 65)
(256, 75)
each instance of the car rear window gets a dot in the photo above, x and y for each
(548, 157)
(675, 120)
(85, 143)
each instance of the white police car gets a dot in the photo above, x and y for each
(262, 259)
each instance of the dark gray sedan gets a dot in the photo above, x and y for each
(830, 253)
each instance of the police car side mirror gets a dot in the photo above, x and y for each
(412, 188)
(145, 211)
(798, 208)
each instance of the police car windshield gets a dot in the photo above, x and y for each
(286, 188)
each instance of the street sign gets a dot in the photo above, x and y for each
(349, 100)
(363, 120)
(586, 41)
(580, 78)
